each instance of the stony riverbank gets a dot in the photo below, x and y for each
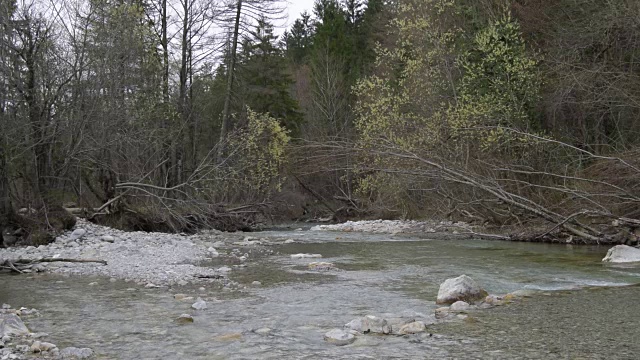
(149, 259)
(397, 227)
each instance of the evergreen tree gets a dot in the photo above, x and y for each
(262, 73)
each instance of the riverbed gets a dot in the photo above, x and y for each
(579, 308)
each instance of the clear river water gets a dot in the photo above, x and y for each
(582, 309)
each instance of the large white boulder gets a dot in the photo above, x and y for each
(622, 254)
(462, 288)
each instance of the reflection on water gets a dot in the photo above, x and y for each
(397, 277)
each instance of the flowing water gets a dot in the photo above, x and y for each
(583, 309)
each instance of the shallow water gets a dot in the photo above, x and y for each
(391, 276)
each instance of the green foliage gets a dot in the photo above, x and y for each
(500, 87)
(260, 152)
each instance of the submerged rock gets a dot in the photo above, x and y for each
(461, 288)
(321, 266)
(229, 337)
(339, 337)
(369, 324)
(442, 312)
(184, 319)
(74, 353)
(12, 325)
(622, 254)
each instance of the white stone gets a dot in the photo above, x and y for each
(199, 304)
(289, 241)
(256, 283)
(263, 331)
(339, 337)
(224, 269)
(413, 327)
(305, 256)
(77, 233)
(108, 238)
(460, 288)
(460, 306)
(369, 324)
(622, 254)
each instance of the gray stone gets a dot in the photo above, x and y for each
(622, 254)
(38, 346)
(459, 306)
(199, 304)
(263, 331)
(12, 325)
(77, 234)
(108, 238)
(369, 324)
(461, 288)
(74, 353)
(413, 328)
(339, 337)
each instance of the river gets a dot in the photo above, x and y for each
(582, 309)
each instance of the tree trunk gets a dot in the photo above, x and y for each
(6, 211)
(226, 112)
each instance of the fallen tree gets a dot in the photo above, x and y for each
(20, 265)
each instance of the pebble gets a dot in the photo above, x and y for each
(256, 283)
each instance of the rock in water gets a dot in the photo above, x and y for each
(622, 254)
(460, 306)
(73, 353)
(12, 325)
(306, 256)
(462, 288)
(339, 337)
(369, 324)
(199, 304)
(77, 234)
(184, 319)
(413, 328)
(38, 346)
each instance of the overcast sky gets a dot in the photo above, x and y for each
(295, 8)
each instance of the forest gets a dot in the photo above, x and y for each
(174, 115)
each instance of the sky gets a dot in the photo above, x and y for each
(295, 8)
